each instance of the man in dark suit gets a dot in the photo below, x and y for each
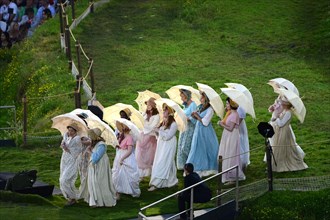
(202, 193)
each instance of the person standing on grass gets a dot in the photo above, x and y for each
(229, 147)
(99, 180)
(125, 171)
(163, 173)
(147, 143)
(287, 153)
(202, 193)
(185, 137)
(204, 145)
(72, 146)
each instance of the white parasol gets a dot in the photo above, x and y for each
(143, 97)
(111, 113)
(298, 106)
(241, 88)
(174, 94)
(283, 83)
(61, 122)
(241, 99)
(135, 132)
(179, 115)
(94, 121)
(214, 98)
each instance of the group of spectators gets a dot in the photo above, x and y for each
(19, 18)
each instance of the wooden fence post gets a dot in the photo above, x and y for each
(68, 45)
(59, 6)
(92, 7)
(24, 121)
(73, 12)
(77, 97)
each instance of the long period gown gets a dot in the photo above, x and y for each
(146, 145)
(244, 139)
(69, 166)
(126, 176)
(83, 162)
(287, 153)
(185, 137)
(100, 184)
(229, 149)
(164, 170)
(204, 146)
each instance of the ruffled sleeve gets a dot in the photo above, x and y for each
(207, 118)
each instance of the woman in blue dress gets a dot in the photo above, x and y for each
(185, 137)
(204, 146)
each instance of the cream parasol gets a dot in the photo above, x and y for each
(111, 113)
(283, 83)
(298, 106)
(241, 88)
(174, 94)
(241, 99)
(61, 122)
(143, 97)
(94, 121)
(214, 98)
(179, 115)
(135, 132)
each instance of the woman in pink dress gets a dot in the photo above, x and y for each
(229, 147)
(147, 143)
(125, 172)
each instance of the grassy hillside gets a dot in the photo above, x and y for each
(138, 45)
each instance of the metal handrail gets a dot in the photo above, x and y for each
(142, 216)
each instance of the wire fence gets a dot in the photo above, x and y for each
(258, 188)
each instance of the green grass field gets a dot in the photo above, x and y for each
(138, 45)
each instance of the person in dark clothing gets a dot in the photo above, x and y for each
(202, 193)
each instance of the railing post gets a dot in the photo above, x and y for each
(24, 120)
(218, 202)
(237, 189)
(268, 150)
(191, 213)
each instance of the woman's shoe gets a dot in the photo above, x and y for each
(152, 188)
(71, 202)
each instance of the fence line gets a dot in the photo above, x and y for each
(65, 45)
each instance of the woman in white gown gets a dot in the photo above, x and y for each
(125, 171)
(163, 173)
(287, 153)
(100, 185)
(71, 145)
